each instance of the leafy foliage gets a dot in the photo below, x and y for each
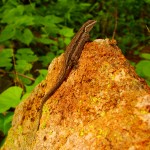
(143, 67)
(5, 60)
(5, 123)
(34, 32)
(10, 98)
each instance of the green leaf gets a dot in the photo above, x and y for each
(50, 29)
(26, 54)
(142, 68)
(43, 72)
(148, 82)
(66, 32)
(10, 15)
(42, 75)
(24, 20)
(46, 41)
(23, 66)
(67, 40)
(26, 80)
(51, 19)
(47, 58)
(7, 33)
(25, 37)
(38, 19)
(146, 70)
(28, 36)
(5, 122)
(147, 1)
(6, 55)
(10, 98)
(25, 96)
(145, 55)
(47, 20)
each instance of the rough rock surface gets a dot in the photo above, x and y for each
(103, 104)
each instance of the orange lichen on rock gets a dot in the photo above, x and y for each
(103, 104)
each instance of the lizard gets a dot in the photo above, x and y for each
(71, 56)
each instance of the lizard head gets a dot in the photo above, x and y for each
(89, 25)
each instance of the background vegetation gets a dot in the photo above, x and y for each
(33, 32)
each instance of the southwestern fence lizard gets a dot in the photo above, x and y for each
(71, 56)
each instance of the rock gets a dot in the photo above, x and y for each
(103, 104)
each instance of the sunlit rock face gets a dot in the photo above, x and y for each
(102, 104)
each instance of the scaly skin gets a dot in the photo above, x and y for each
(71, 56)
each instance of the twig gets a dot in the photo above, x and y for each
(148, 29)
(32, 79)
(116, 23)
(14, 62)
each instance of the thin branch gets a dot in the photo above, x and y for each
(148, 29)
(30, 78)
(116, 23)
(14, 62)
